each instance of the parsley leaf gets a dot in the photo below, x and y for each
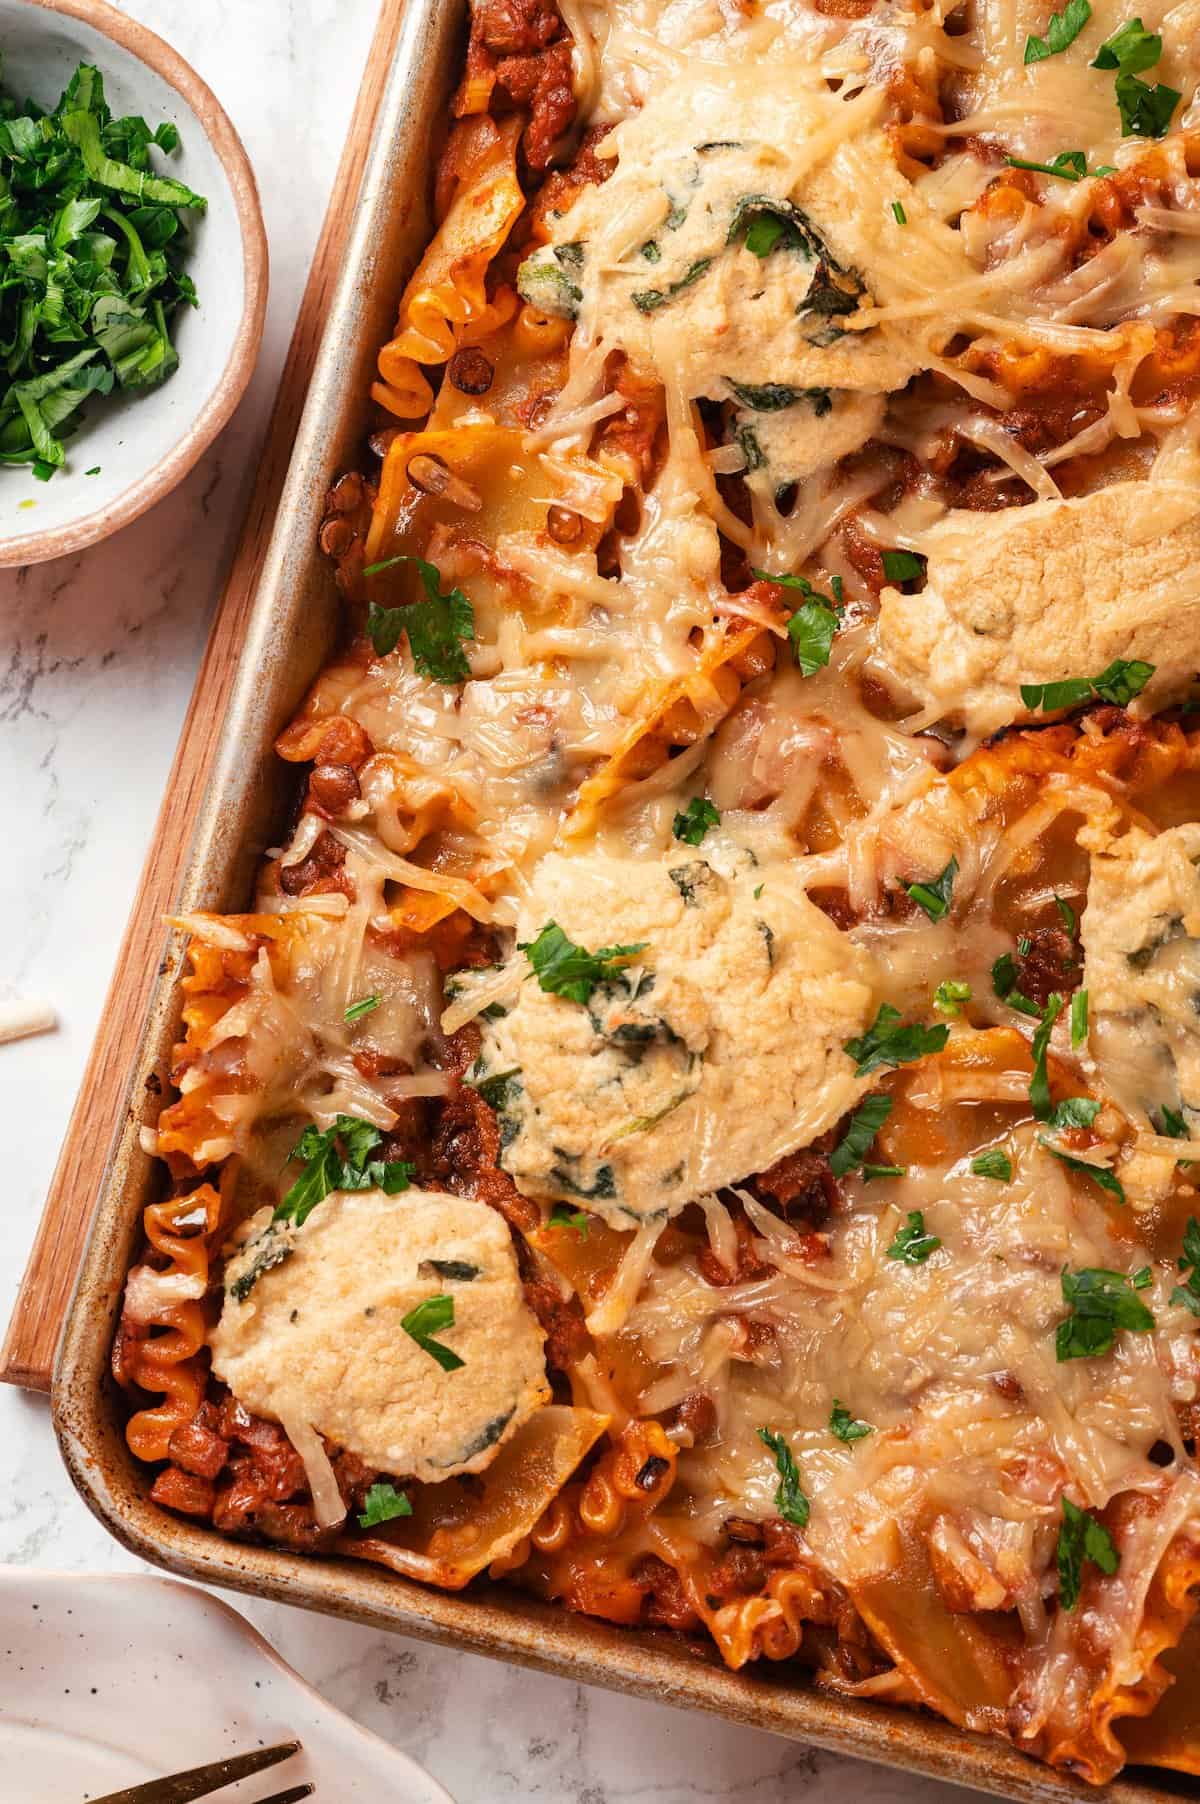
(1004, 983)
(912, 1244)
(790, 1500)
(92, 248)
(1173, 1124)
(1039, 1085)
(844, 1426)
(1079, 1017)
(357, 1010)
(1073, 1111)
(1132, 49)
(383, 1503)
(811, 630)
(1145, 111)
(883, 1171)
(993, 1164)
(950, 995)
(695, 821)
(813, 625)
(338, 1160)
(1123, 679)
(568, 970)
(856, 1142)
(1070, 919)
(1100, 1302)
(436, 627)
(428, 1319)
(1188, 1293)
(1081, 1538)
(1063, 29)
(579, 1219)
(935, 897)
(1099, 1174)
(903, 566)
(1071, 165)
(887, 1043)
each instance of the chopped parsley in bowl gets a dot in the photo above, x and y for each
(93, 242)
(128, 330)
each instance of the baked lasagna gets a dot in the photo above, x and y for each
(696, 1122)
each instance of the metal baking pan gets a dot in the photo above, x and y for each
(248, 800)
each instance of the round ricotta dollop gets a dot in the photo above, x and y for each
(311, 1330)
(1141, 941)
(708, 1056)
(1053, 590)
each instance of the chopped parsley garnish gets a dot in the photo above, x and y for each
(357, 1010)
(889, 1042)
(426, 1320)
(993, 1164)
(898, 213)
(935, 897)
(436, 627)
(579, 1219)
(694, 822)
(92, 246)
(568, 970)
(1071, 165)
(856, 1142)
(950, 995)
(1063, 29)
(790, 1500)
(649, 300)
(813, 625)
(1081, 1538)
(1173, 1124)
(1123, 679)
(338, 1160)
(845, 1427)
(1079, 1017)
(912, 1245)
(1039, 1085)
(1132, 49)
(903, 566)
(1069, 918)
(1004, 983)
(1099, 1174)
(883, 1171)
(1145, 111)
(1073, 1111)
(383, 1503)
(1101, 1302)
(1188, 1293)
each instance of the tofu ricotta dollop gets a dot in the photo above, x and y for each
(311, 1331)
(712, 1053)
(1141, 938)
(1054, 590)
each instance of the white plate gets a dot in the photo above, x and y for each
(108, 1681)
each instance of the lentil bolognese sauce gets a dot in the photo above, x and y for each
(693, 1125)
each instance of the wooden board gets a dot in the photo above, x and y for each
(27, 1356)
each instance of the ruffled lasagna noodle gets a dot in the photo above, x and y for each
(741, 929)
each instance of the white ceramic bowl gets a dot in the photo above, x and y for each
(144, 444)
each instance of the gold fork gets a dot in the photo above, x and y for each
(200, 1781)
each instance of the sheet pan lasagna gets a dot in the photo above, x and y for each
(696, 1122)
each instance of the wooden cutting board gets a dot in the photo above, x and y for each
(27, 1356)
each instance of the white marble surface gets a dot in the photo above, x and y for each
(97, 656)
